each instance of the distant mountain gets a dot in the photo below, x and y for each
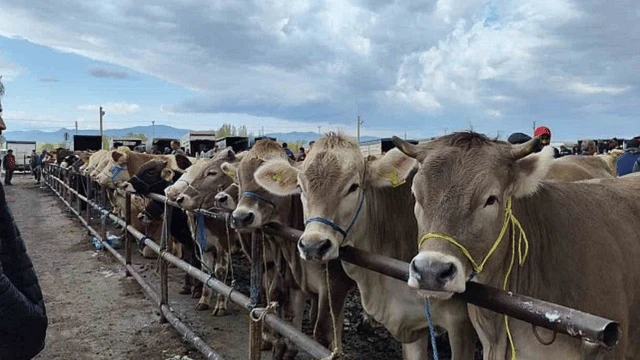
(161, 131)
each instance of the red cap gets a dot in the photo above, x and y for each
(542, 130)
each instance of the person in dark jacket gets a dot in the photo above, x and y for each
(23, 317)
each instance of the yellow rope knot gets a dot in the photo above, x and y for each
(522, 245)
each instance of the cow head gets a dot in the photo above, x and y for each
(152, 177)
(197, 187)
(256, 206)
(332, 182)
(115, 171)
(463, 186)
(227, 199)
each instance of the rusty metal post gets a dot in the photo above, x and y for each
(255, 327)
(164, 264)
(127, 236)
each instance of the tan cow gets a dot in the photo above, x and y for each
(257, 207)
(576, 167)
(367, 203)
(123, 165)
(470, 189)
(196, 189)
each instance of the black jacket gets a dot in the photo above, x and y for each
(23, 318)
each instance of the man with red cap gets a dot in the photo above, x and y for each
(544, 133)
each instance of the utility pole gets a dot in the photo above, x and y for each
(405, 135)
(534, 126)
(153, 130)
(358, 128)
(76, 128)
(101, 132)
(319, 130)
(262, 129)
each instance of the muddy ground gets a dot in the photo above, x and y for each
(96, 312)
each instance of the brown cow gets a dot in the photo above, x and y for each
(257, 207)
(469, 190)
(367, 203)
(576, 168)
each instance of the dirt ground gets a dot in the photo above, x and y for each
(96, 312)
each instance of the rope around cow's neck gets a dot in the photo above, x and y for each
(522, 241)
(336, 352)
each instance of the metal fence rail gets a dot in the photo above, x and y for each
(587, 327)
(282, 327)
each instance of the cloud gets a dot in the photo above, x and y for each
(48, 79)
(101, 72)
(112, 108)
(9, 70)
(418, 66)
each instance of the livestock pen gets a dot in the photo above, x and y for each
(591, 329)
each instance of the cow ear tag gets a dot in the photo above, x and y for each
(277, 177)
(395, 178)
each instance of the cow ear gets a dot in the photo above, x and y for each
(167, 174)
(182, 161)
(231, 169)
(392, 169)
(530, 171)
(116, 155)
(278, 177)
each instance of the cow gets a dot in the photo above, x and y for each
(227, 199)
(366, 203)
(207, 174)
(486, 214)
(257, 207)
(576, 167)
(152, 178)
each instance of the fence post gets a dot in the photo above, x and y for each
(255, 327)
(104, 217)
(127, 236)
(88, 214)
(164, 264)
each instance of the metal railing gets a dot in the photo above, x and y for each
(589, 328)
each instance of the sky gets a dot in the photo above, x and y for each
(423, 68)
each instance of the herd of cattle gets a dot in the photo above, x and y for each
(459, 208)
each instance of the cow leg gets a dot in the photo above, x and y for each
(208, 259)
(417, 350)
(297, 300)
(324, 331)
(462, 335)
(491, 331)
(222, 266)
(187, 256)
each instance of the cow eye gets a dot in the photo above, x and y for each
(491, 200)
(212, 173)
(353, 188)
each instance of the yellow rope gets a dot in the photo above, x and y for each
(336, 347)
(522, 241)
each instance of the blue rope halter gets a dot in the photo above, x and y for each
(257, 196)
(200, 233)
(115, 171)
(335, 226)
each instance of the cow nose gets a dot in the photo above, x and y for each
(313, 249)
(431, 274)
(180, 199)
(223, 198)
(242, 218)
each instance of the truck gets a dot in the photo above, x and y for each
(379, 146)
(131, 143)
(22, 152)
(237, 143)
(192, 140)
(87, 142)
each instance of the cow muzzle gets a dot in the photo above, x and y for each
(225, 201)
(316, 247)
(242, 219)
(436, 274)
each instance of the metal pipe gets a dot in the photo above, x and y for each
(541, 313)
(300, 339)
(166, 312)
(127, 237)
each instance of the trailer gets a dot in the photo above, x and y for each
(22, 152)
(131, 143)
(160, 145)
(237, 143)
(192, 141)
(379, 146)
(87, 143)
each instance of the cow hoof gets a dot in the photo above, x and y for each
(185, 290)
(202, 307)
(220, 312)
(196, 294)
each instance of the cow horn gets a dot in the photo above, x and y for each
(406, 147)
(521, 150)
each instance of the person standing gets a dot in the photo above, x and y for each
(288, 151)
(9, 165)
(544, 133)
(175, 148)
(35, 166)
